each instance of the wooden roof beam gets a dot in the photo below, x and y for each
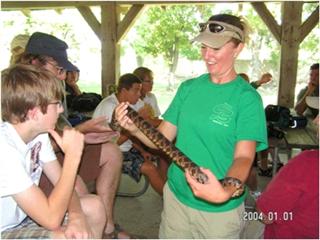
(91, 19)
(128, 21)
(26, 12)
(268, 19)
(309, 24)
(17, 5)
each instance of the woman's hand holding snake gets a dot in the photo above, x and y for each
(123, 120)
(213, 191)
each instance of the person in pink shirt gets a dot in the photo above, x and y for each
(290, 204)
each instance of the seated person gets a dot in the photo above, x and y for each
(290, 204)
(72, 87)
(17, 47)
(136, 160)
(312, 89)
(79, 102)
(265, 78)
(26, 211)
(153, 110)
(150, 100)
(264, 170)
(102, 159)
(262, 155)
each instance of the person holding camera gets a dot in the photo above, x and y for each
(311, 90)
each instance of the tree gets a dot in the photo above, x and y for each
(167, 31)
(261, 39)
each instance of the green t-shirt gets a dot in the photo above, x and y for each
(211, 118)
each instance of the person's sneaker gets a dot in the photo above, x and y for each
(255, 194)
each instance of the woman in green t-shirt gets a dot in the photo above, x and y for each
(218, 121)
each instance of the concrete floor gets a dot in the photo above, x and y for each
(141, 215)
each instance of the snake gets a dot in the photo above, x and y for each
(161, 142)
(166, 146)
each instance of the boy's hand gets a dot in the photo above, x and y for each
(311, 88)
(146, 155)
(71, 142)
(265, 78)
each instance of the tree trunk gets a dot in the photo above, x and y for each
(256, 63)
(174, 57)
(139, 60)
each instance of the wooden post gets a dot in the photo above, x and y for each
(109, 47)
(290, 36)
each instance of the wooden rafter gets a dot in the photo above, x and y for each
(268, 19)
(309, 24)
(91, 19)
(26, 12)
(128, 21)
(16, 5)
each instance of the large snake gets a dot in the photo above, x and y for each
(163, 144)
(174, 153)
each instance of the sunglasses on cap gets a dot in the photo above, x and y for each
(220, 27)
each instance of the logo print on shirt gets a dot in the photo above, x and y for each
(222, 114)
(35, 157)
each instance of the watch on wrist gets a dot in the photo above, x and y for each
(234, 182)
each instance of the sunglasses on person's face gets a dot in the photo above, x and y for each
(215, 27)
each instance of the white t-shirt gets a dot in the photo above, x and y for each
(151, 99)
(106, 108)
(21, 167)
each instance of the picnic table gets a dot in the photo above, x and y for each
(298, 138)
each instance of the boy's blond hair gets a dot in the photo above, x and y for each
(24, 87)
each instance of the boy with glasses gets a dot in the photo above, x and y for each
(30, 109)
(101, 160)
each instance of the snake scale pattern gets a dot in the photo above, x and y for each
(163, 144)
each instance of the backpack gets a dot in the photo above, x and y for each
(279, 116)
(85, 102)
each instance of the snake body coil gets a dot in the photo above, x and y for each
(163, 144)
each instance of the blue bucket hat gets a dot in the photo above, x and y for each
(48, 45)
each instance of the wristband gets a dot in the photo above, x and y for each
(234, 182)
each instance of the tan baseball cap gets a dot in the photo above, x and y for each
(215, 34)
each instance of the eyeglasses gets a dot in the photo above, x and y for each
(219, 27)
(58, 103)
(59, 69)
